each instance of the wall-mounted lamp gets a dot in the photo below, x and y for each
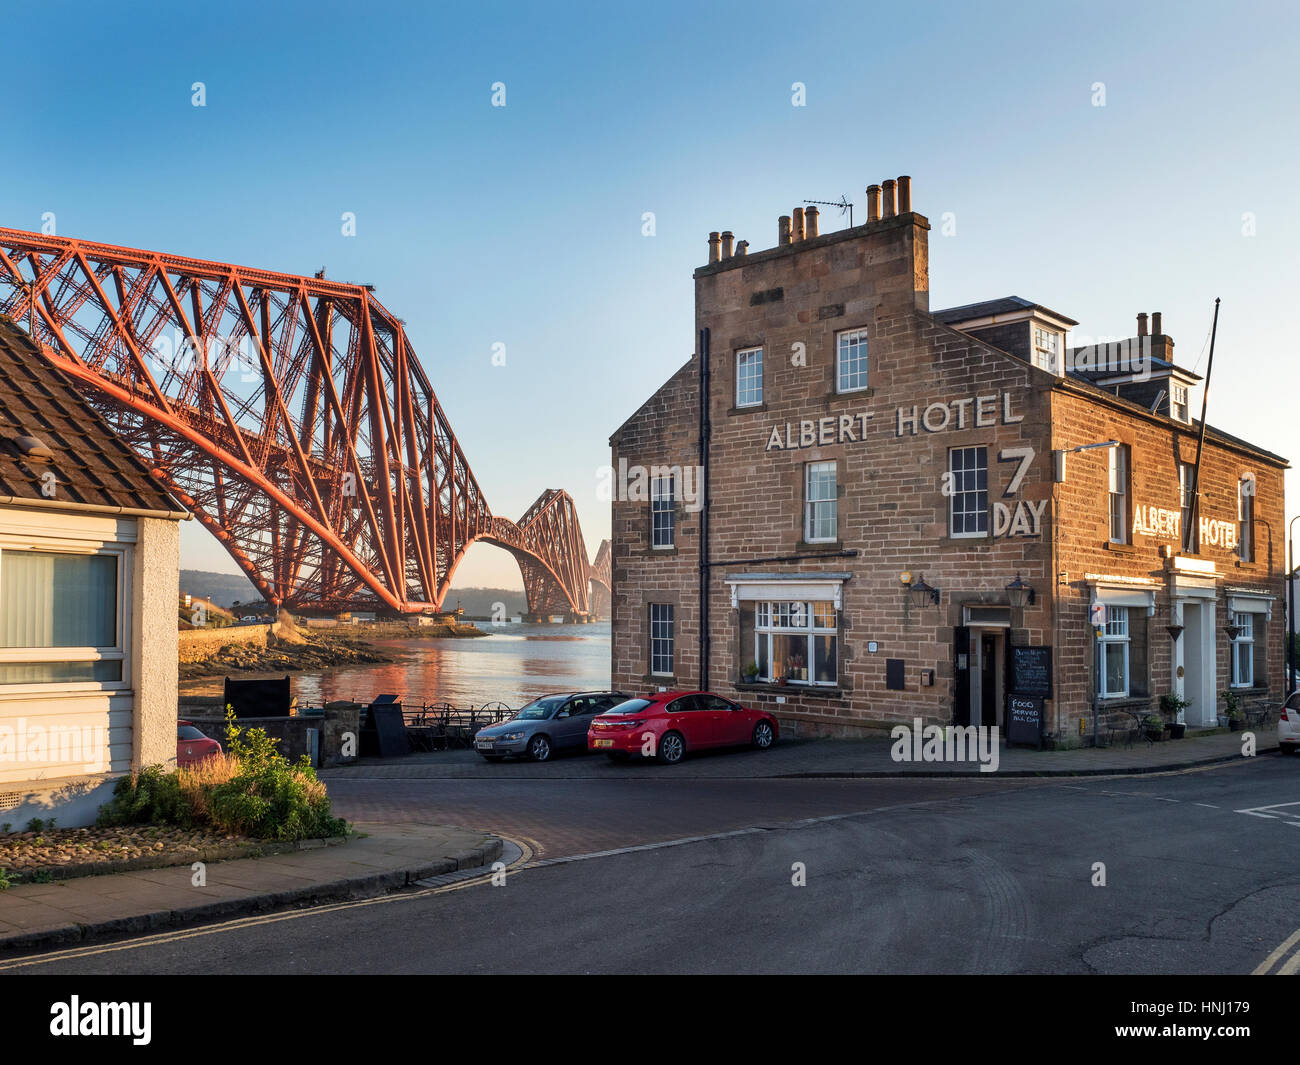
(922, 594)
(1019, 594)
(1174, 632)
(1233, 631)
(1058, 457)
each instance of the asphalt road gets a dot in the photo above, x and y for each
(902, 876)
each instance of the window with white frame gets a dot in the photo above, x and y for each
(1246, 518)
(749, 377)
(1118, 474)
(1186, 477)
(968, 500)
(851, 360)
(61, 618)
(1113, 652)
(797, 641)
(1243, 651)
(662, 502)
(661, 639)
(819, 525)
(1178, 402)
(1047, 346)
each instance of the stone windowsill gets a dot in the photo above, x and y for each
(816, 690)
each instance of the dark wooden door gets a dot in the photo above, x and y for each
(988, 681)
(961, 675)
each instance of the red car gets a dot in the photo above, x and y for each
(192, 746)
(667, 725)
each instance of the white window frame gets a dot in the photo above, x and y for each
(1246, 519)
(119, 651)
(792, 619)
(859, 373)
(1178, 402)
(663, 638)
(1117, 473)
(663, 534)
(1046, 356)
(1115, 633)
(751, 360)
(960, 493)
(811, 507)
(1245, 639)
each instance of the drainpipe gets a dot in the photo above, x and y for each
(704, 432)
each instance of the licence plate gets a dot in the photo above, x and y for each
(604, 743)
(484, 745)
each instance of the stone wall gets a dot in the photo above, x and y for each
(201, 644)
(336, 724)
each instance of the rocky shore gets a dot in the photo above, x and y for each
(307, 652)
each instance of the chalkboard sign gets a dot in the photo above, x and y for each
(1025, 719)
(1031, 671)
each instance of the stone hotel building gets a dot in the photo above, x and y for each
(944, 514)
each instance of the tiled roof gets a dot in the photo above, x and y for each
(92, 466)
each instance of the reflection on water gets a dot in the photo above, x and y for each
(514, 664)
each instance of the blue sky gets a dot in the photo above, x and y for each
(523, 225)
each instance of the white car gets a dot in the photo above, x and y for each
(1288, 725)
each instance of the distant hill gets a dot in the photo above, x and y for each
(227, 588)
(479, 601)
(222, 588)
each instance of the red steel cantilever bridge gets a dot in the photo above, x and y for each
(292, 416)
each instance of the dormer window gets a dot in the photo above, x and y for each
(1178, 402)
(1047, 346)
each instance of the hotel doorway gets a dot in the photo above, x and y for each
(981, 666)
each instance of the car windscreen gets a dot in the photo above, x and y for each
(189, 732)
(541, 709)
(632, 706)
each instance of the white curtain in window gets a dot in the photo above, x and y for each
(55, 600)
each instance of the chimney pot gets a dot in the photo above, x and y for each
(1142, 324)
(742, 249)
(1157, 328)
(904, 195)
(796, 225)
(783, 229)
(714, 240)
(727, 237)
(873, 203)
(810, 221)
(890, 204)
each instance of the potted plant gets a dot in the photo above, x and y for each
(1154, 727)
(1232, 703)
(751, 671)
(1174, 704)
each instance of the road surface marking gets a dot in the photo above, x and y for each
(1290, 967)
(240, 923)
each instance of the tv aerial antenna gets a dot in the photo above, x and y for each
(842, 203)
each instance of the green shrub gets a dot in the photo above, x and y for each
(253, 791)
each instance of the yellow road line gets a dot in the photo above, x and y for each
(272, 918)
(1290, 967)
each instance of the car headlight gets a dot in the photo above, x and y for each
(511, 736)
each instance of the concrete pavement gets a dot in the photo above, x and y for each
(379, 859)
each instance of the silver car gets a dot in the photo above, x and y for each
(552, 723)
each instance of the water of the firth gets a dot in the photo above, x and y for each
(513, 664)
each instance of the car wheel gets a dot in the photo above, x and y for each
(539, 748)
(763, 735)
(494, 757)
(671, 748)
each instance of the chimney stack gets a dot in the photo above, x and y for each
(1156, 326)
(1142, 324)
(783, 229)
(796, 225)
(714, 240)
(873, 203)
(742, 249)
(904, 195)
(890, 207)
(810, 220)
